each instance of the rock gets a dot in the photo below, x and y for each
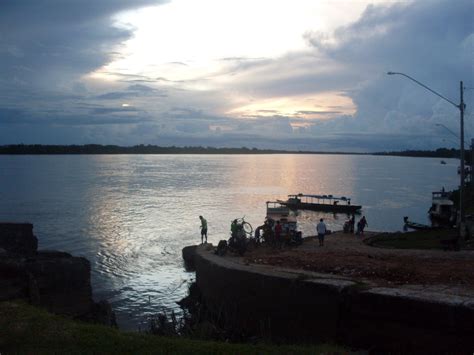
(18, 238)
(101, 313)
(61, 282)
(188, 256)
(13, 279)
(54, 280)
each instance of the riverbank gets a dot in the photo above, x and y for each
(46, 306)
(353, 257)
(27, 329)
(346, 291)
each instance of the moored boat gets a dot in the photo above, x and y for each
(327, 203)
(414, 225)
(442, 207)
(277, 212)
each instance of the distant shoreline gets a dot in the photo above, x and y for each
(97, 149)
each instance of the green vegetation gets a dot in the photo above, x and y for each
(26, 329)
(154, 149)
(438, 153)
(138, 149)
(423, 239)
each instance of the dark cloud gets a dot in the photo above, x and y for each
(107, 110)
(140, 88)
(319, 113)
(49, 42)
(132, 91)
(47, 46)
(430, 40)
(116, 95)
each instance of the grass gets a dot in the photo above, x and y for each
(26, 329)
(429, 239)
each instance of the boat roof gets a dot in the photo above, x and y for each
(327, 197)
(443, 201)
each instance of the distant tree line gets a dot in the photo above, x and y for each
(137, 149)
(438, 153)
(153, 149)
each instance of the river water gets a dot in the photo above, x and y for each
(131, 215)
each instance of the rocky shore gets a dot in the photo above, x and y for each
(53, 280)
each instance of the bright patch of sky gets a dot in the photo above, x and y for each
(192, 42)
(197, 33)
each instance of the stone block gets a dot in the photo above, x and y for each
(189, 253)
(18, 238)
(62, 282)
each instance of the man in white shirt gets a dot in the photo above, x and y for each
(321, 230)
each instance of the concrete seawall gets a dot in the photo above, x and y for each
(304, 306)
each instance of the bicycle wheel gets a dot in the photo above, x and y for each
(247, 227)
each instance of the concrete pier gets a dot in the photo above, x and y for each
(297, 305)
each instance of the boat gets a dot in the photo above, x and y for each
(327, 203)
(442, 207)
(414, 225)
(276, 211)
(443, 162)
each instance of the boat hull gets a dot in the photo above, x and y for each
(323, 207)
(417, 226)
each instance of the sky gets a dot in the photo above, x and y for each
(296, 75)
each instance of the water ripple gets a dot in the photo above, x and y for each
(132, 215)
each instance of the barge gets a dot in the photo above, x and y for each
(326, 203)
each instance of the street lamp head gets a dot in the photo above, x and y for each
(390, 73)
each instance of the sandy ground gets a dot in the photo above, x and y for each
(346, 255)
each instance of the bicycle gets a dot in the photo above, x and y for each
(241, 232)
(246, 226)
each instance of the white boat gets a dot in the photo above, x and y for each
(276, 211)
(442, 207)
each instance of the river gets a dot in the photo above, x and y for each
(131, 215)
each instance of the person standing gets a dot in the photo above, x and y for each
(203, 229)
(321, 230)
(352, 224)
(363, 223)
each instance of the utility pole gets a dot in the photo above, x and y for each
(462, 228)
(461, 107)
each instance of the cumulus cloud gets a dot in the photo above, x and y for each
(51, 42)
(46, 48)
(429, 40)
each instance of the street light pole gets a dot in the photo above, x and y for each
(461, 108)
(461, 189)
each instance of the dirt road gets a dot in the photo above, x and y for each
(346, 255)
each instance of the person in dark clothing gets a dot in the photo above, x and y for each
(361, 225)
(352, 224)
(203, 229)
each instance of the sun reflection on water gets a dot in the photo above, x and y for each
(131, 215)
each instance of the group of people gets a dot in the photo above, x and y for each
(273, 232)
(321, 228)
(350, 224)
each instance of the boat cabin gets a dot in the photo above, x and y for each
(442, 207)
(328, 203)
(275, 208)
(278, 212)
(319, 199)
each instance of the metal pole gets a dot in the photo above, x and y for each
(461, 108)
(461, 187)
